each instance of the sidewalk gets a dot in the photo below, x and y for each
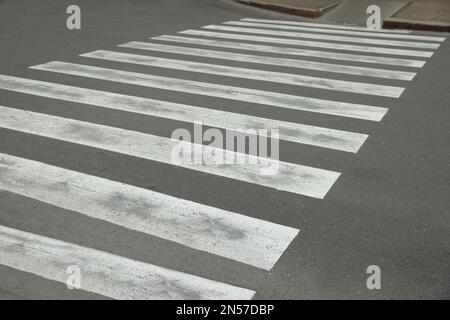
(304, 8)
(432, 15)
(353, 12)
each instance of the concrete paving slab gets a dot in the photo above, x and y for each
(305, 8)
(433, 15)
(353, 12)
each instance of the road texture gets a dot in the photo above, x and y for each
(87, 189)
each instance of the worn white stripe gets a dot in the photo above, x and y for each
(325, 25)
(245, 239)
(220, 91)
(107, 274)
(291, 63)
(285, 50)
(245, 73)
(290, 177)
(250, 22)
(308, 35)
(319, 44)
(299, 133)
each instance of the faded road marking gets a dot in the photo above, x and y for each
(381, 42)
(289, 131)
(329, 45)
(245, 73)
(219, 91)
(305, 26)
(291, 63)
(234, 236)
(327, 26)
(290, 177)
(107, 274)
(283, 50)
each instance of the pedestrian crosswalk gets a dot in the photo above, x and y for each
(383, 42)
(299, 133)
(315, 44)
(269, 98)
(253, 74)
(212, 230)
(330, 29)
(227, 234)
(291, 51)
(294, 178)
(257, 59)
(110, 275)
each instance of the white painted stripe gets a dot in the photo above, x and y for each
(382, 42)
(219, 91)
(245, 73)
(107, 274)
(285, 50)
(325, 25)
(245, 239)
(256, 22)
(299, 133)
(328, 45)
(291, 63)
(290, 177)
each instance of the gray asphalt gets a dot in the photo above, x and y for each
(389, 208)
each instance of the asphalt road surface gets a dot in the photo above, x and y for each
(89, 191)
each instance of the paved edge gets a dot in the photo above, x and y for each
(396, 23)
(295, 10)
(388, 23)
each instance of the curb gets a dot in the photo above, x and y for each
(300, 11)
(396, 23)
